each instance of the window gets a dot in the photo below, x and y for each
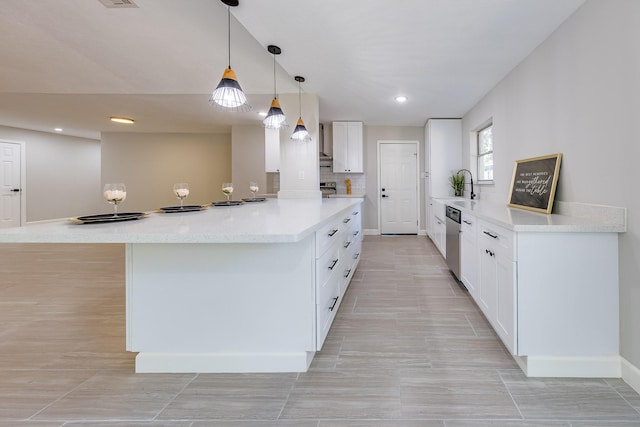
(485, 153)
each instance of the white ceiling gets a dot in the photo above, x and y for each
(73, 63)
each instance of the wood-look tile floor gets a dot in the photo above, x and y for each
(408, 348)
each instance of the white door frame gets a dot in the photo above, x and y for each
(23, 179)
(418, 198)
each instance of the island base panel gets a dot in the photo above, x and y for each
(221, 307)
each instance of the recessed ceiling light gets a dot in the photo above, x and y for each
(262, 113)
(121, 119)
(58, 129)
(401, 98)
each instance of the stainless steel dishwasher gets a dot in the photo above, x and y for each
(454, 217)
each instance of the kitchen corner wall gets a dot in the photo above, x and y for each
(150, 163)
(62, 174)
(578, 94)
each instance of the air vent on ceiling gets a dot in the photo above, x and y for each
(118, 3)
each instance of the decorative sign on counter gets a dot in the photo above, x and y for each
(533, 186)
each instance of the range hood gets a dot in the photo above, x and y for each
(321, 137)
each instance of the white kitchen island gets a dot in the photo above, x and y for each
(251, 288)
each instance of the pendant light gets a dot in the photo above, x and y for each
(229, 95)
(275, 118)
(300, 133)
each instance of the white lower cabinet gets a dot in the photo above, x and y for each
(469, 254)
(338, 245)
(438, 226)
(497, 286)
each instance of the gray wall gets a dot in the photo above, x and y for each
(579, 94)
(247, 157)
(373, 134)
(149, 164)
(62, 174)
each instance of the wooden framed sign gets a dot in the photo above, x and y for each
(534, 181)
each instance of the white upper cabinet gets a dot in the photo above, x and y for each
(347, 147)
(272, 150)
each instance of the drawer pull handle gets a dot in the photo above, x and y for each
(489, 252)
(347, 273)
(335, 261)
(335, 301)
(356, 233)
(356, 256)
(346, 245)
(355, 213)
(346, 220)
(467, 222)
(333, 232)
(490, 235)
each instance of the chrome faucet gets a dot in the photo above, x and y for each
(473, 195)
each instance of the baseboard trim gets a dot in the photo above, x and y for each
(630, 374)
(371, 232)
(571, 367)
(223, 362)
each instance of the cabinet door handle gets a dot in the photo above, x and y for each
(346, 245)
(15, 190)
(356, 233)
(335, 261)
(467, 222)
(335, 301)
(334, 231)
(356, 256)
(346, 220)
(355, 213)
(346, 273)
(489, 252)
(490, 235)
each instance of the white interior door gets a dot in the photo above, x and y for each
(398, 187)
(10, 188)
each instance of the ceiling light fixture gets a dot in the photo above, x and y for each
(300, 133)
(117, 119)
(228, 94)
(401, 99)
(275, 118)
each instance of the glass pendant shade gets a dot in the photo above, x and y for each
(300, 133)
(229, 94)
(275, 118)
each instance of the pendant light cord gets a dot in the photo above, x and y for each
(300, 99)
(275, 89)
(229, 33)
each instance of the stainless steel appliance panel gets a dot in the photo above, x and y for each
(454, 217)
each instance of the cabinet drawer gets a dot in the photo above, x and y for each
(327, 264)
(328, 301)
(493, 237)
(469, 224)
(327, 235)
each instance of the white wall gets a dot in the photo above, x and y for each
(62, 174)
(149, 164)
(579, 94)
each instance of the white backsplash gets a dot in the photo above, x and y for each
(358, 181)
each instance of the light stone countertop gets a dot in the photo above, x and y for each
(272, 221)
(347, 196)
(573, 217)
